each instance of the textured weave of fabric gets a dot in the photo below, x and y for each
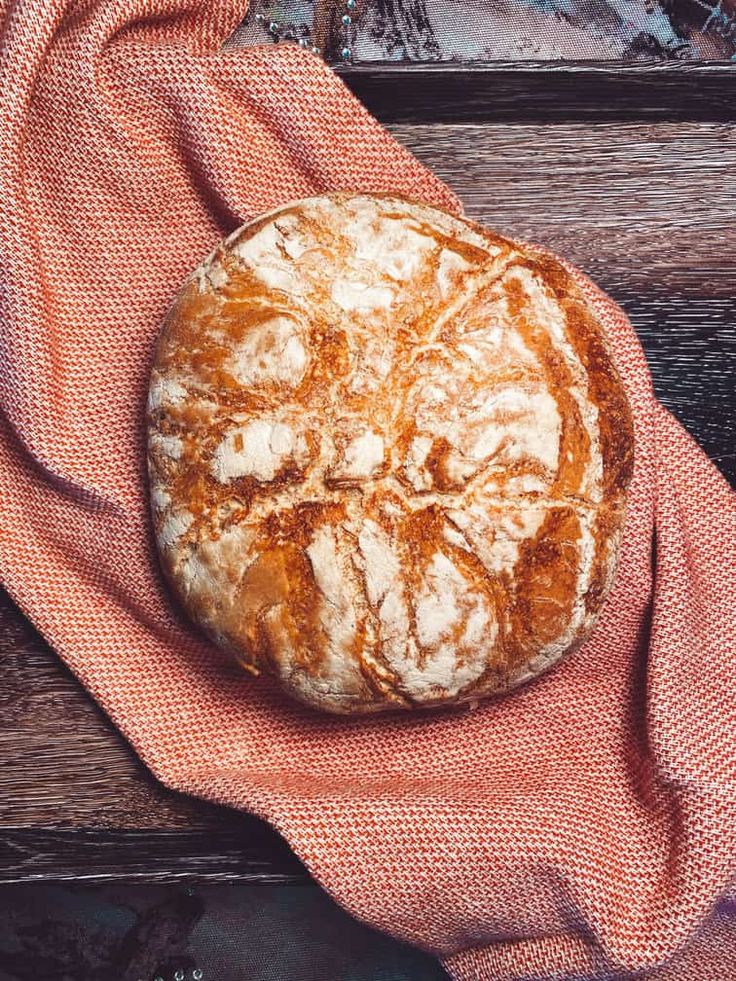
(585, 826)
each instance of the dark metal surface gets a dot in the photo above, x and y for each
(59, 931)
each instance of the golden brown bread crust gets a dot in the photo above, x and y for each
(388, 452)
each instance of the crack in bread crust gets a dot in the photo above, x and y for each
(388, 454)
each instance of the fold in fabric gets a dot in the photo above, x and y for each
(584, 826)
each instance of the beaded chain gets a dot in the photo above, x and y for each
(301, 34)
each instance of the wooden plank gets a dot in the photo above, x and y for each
(253, 855)
(62, 763)
(76, 803)
(544, 92)
(647, 210)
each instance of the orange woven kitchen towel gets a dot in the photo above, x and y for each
(582, 827)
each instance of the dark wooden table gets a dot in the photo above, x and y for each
(627, 172)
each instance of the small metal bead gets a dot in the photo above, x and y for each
(197, 974)
(179, 976)
(303, 42)
(347, 20)
(345, 54)
(274, 27)
(315, 50)
(351, 4)
(260, 18)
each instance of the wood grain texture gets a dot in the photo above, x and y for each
(252, 855)
(63, 764)
(649, 212)
(545, 91)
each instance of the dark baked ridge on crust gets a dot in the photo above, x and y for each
(388, 453)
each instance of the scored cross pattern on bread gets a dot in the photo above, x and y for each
(388, 453)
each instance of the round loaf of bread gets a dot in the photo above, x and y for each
(388, 455)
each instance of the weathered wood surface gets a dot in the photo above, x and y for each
(248, 853)
(650, 212)
(545, 91)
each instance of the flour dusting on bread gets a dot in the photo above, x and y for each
(389, 453)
